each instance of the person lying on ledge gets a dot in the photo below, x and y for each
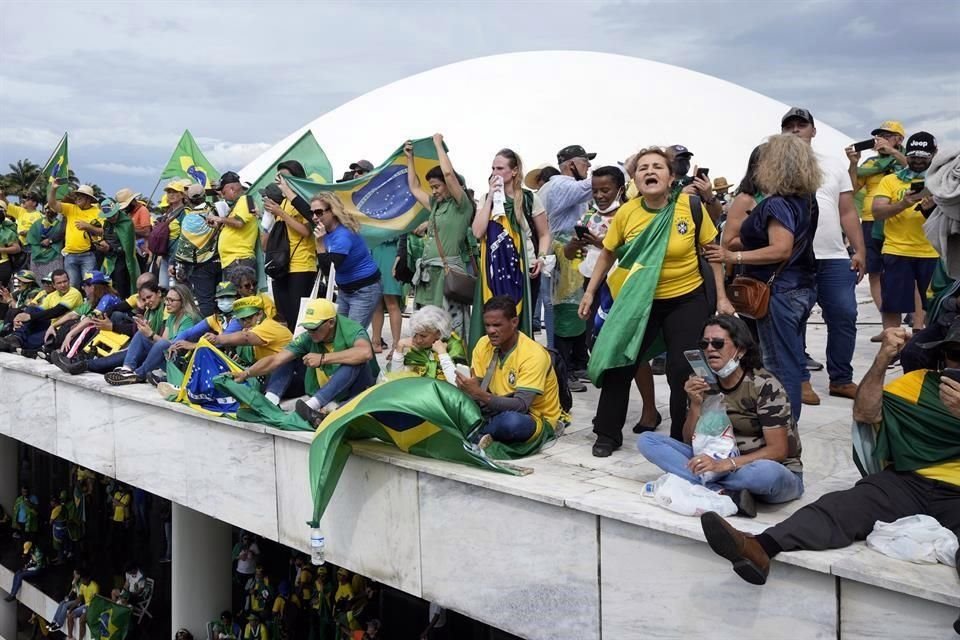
(513, 381)
(337, 354)
(768, 466)
(918, 417)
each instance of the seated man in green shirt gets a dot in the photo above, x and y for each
(337, 354)
(30, 326)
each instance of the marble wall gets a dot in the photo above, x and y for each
(868, 612)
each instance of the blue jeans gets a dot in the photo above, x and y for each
(782, 338)
(203, 279)
(144, 355)
(77, 264)
(360, 304)
(510, 426)
(546, 299)
(836, 295)
(346, 382)
(19, 577)
(31, 333)
(281, 378)
(60, 617)
(106, 363)
(768, 480)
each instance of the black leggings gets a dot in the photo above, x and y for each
(6, 271)
(681, 321)
(287, 292)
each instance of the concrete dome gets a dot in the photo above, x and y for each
(475, 105)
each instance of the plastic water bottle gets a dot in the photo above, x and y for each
(317, 542)
(498, 199)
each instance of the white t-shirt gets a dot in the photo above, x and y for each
(828, 242)
(248, 566)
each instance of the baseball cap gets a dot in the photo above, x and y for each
(316, 313)
(362, 165)
(796, 112)
(108, 208)
(893, 126)
(225, 290)
(952, 337)
(95, 277)
(921, 144)
(27, 546)
(246, 307)
(25, 275)
(680, 150)
(176, 185)
(573, 151)
(47, 279)
(230, 177)
(195, 191)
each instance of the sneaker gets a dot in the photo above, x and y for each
(122, 377)
(167, 391)
(813, 365)
(308, 413)
(157, 376)
(575, 385)
(808, 395)
(659, 365)
(68, 365)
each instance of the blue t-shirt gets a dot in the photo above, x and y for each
(798, 214)
(358, 264)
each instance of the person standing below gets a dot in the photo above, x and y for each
(888, 137)
(446, 231)
(239, 229)
(837, 273)
(196, 261)
(902, 204)
(78, 217)
(45, 241)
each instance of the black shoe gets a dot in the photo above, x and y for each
(746, 505)
(30, 354)
(603, 448)
(73, 366)
(575, 385)
(813, 365)
(157, 376)
(308, 413)
(642, 428)
(10, 598)
(9, 344)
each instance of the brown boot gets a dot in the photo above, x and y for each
(750, 561)
(848, 390)
(809, 395)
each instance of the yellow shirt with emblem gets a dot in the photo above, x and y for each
(75, 240)
(903, 233)
(88, 592)
(276, 335)
(239, 243)
(680, 273)
(71, 299)
(303, 249)
(527, 367)
(869, 184)
(24, 218)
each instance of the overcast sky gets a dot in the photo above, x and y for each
(126, 78)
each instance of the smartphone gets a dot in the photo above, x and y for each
(703, 173)
(917, 187)
(464, 370)
(952, 373)
(581, 230)
(864, 145)
(698, 362)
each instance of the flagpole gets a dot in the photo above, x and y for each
(52, 153)
(154, 189)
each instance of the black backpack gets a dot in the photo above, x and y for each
(563, 386)
(276, 255)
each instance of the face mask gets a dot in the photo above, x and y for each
(225, 305)
(728, 368)
(613, 207)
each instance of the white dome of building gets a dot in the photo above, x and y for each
(475, 105)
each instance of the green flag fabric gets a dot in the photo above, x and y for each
(618, 343)
(107, 620)
(189, 162)
(123, 226)
(381, 200)
(306, 150)
(58, 168)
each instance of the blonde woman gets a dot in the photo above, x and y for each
(339, 243)
(778, 235)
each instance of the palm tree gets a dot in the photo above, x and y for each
(72, 179)
(22, 175)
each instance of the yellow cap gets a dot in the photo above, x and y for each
(27, 546)
(316, 313)
(176, 185)
(893, 126)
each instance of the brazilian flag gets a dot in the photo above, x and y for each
(107, 620)
(189, 162)
(58, 168)
(422, 416)
(307, 151)
(381, 200)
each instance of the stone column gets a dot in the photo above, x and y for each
(8, 618)
(8, 493)
(201, 570)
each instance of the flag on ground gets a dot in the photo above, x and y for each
(107, 620)
(58, 168)
(189, 162)
(381, 200)
(306, 150)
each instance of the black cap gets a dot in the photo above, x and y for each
(921, 144)
(952, 337)
(680, 150)
(573, 151)
(230, 177)
(362, 165)
(797, 112)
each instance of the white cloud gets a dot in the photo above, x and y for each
(227, 156)
(29, 137)
(124, 169)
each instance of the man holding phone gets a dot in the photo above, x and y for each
(908, 257)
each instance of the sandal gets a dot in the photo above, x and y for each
(642, 428)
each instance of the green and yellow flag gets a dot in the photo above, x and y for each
(58, 168)
(306, 150)
(381, 200)
(189, 162)
(107, 620)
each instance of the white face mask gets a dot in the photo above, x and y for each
(613, 205)
(728, 368)
(225, 305)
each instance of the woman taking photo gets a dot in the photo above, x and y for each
(501, 230)
(665, 299)
(777, 242)
(450, 211)
(768, 465)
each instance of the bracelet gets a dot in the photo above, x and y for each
(733, 462)
(739, 257)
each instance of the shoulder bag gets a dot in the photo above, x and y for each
(458, 285)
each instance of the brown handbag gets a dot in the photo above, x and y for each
(749, 296)
(458, 285)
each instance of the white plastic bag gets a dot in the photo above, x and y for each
(678, 495)
(714, 436)
(919, 539)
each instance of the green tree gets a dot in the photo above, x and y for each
(22, 175)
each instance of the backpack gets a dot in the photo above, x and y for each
(158, 241)
(276, 254)
(563, 385)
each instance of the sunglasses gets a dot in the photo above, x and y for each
(321, 211)
(716, 343)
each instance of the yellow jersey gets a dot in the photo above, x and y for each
(24, 218)
(303, 249)
(903, 233)
(276, 335)
(75, 240)
(71, 299)
(239, 243)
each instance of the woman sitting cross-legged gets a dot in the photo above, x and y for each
(433, 351)
(768, 466)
